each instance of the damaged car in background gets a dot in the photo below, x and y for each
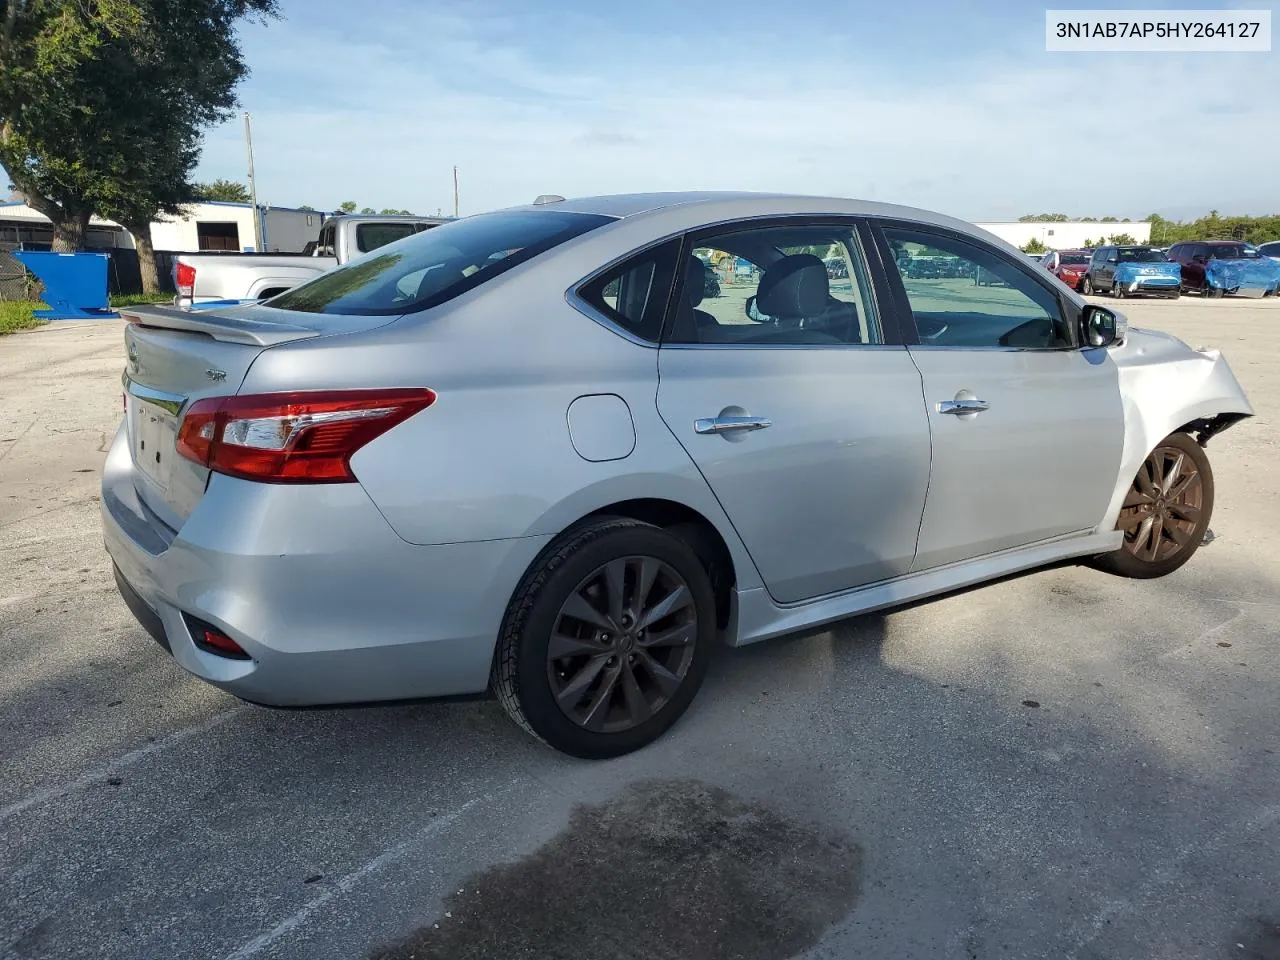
(525, 452)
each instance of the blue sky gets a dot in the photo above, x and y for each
(953, 106)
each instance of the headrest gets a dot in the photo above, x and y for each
(795, 286)
(695, 283)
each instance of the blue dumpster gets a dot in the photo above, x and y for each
(75, 284)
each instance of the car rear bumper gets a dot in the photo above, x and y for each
(310, 580)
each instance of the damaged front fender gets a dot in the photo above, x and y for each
(1168, 387)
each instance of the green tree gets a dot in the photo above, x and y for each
(389, 210)
(103, 102)
(228, 191)
(307, 207)
(368, 210)
(1042, 218)
(347, 206)
(1121, 239)
(1108, 220)
(1034, 246)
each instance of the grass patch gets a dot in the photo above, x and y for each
(18, 315)
(141, 299)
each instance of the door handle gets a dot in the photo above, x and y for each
(958, 407)
(730, 424)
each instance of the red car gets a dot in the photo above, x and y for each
(1069, 266)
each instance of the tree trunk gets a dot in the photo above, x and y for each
(146, 258)
(68, 232)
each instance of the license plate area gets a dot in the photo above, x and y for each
(154, 439)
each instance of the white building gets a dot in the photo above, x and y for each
(1065, 234)
(208, 225)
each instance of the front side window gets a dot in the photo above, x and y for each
(427, 269)
(981, 300)
(776, 285)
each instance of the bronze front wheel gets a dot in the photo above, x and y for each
(1166, 510)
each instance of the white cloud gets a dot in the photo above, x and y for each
(382, 119)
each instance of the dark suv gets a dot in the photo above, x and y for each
(1193, 255)
(1127, 270)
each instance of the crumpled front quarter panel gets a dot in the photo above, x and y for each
(1165, 385)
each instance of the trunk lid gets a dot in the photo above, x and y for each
(175, 357)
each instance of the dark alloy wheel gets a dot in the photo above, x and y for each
(1165, 512)
(607, 639)
(622, 644)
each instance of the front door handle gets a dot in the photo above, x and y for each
(730, 424)
(958, 407)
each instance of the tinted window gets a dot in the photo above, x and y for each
(429, 268)
(778, 285)
(1232, 252)
(634, 295)
(982, 300)
(370, 236)
(1140, 255)
(1074, 258)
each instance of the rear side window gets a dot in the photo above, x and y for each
(426, 269)
(634, 294)
(371, 236)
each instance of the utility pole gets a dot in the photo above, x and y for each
(253, 186)
(455, 191)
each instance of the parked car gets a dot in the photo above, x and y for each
(210, 279)
(1128, 270)
(389, 483)
(1214, 268)
(1069, 266)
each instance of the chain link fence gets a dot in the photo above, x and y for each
(15, 284)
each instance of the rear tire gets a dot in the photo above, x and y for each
(1214, 293)
(1175, 295)
(624, 671)
(1166, 511)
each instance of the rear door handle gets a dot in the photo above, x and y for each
(957, 407)
(730, 424)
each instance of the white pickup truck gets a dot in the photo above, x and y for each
(205, 279)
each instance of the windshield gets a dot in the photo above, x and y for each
(429, 268)
(1141, 255)
(1073, 259)
(1233, 253)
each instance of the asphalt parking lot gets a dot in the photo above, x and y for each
(1063, 765)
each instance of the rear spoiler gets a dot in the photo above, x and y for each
(218, 326)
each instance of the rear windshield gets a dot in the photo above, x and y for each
(429, 268)
(371, 236)
(1074, 258)
(1140, 255)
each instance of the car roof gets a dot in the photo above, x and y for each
(713, 205)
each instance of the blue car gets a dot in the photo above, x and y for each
(1128, 270)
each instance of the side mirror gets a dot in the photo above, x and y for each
(1113, 259)
(1101, 327)
(753, 312)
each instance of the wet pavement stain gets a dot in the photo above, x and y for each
(1262, 942)
(664, 869)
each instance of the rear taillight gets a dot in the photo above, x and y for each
(301, 437)
(185, 280)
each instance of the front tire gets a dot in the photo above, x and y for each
(1117, 290)
(1166, 511)
(607, 639)
(1086, 286)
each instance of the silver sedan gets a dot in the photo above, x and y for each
(560, 451)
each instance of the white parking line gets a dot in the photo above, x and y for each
(119, 763)
(346, 883)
